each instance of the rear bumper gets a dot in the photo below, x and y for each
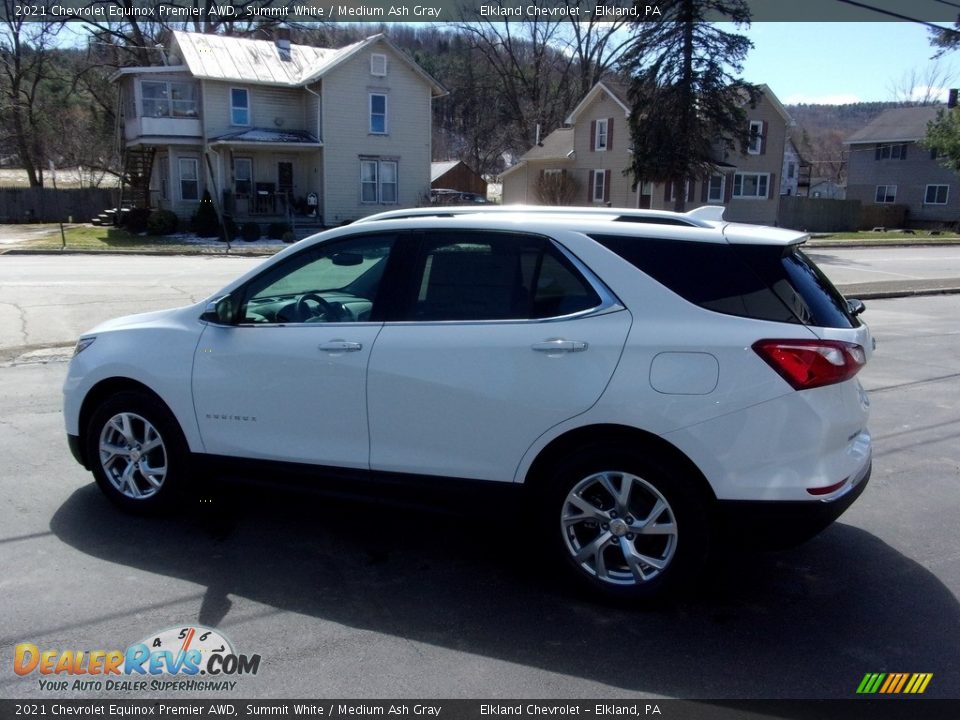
(785, 523)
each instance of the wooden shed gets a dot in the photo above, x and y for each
(456, 175)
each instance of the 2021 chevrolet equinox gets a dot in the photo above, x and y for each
(647, 376)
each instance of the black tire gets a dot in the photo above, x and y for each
(142, 477)
(589, 532)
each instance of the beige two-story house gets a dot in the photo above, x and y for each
(274, 130)
(594, 152)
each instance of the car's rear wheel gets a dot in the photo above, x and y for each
(627, 525)
(137, 452)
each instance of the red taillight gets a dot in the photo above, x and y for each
(808, 364)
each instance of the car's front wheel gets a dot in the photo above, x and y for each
(137, 452)
(627, 525)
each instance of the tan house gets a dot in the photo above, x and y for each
(594, 152)
(275, 130)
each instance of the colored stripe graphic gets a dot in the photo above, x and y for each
(894, 683)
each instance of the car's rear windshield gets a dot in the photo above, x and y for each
(764, 282)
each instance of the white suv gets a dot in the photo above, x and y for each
(646, 378)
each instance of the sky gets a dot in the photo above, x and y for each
(841, 62)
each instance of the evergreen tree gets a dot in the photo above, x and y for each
(687, 106)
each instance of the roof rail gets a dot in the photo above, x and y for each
(704, 216)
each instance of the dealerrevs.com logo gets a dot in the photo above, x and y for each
(185, 658)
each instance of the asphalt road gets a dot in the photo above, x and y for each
(350, 600)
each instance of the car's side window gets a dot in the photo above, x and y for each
(496, 276)
(331, 282)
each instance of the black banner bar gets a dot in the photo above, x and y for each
(887, 709)
(391, 11)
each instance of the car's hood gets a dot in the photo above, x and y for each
(155, 319)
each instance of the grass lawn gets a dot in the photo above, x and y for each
(90, 238)
(898, 236)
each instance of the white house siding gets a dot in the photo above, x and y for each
(520, 185)
(274, 108)
(516, 188)
(615, 159)
(346, 117)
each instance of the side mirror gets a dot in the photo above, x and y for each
(221, 311)
(855, 306)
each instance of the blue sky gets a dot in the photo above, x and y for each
(840, 62)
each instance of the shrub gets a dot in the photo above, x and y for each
(205, 221)
(289, 237)
(135, 219)
(276, 230)
(250, 231)
(162, 222)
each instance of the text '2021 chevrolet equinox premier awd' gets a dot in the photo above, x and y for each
(646, 376)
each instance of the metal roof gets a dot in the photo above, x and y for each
(234, 59)
(221, 57)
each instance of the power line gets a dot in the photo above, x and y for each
(944, 2)
(891, 13)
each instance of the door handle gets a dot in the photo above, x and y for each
(559, 345)
(340, 346)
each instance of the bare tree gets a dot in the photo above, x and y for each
(557, 188)
(922, 86)
(25, 49)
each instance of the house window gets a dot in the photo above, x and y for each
(599, 185)
(552, 172)
(791, 170)
(378, 181)
(239, 106)
(168, 99)
(189, 179)
(715, 189)
(936, 195)
(755, 144)
(378, 64)
(891, 151)
(378, 114)
(751, 185)
(886, 194)
(688, 188)
(243, 176)
(601, 137)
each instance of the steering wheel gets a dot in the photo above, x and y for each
(324, 308)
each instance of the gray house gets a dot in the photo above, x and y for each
(888, 167)
(270, 128)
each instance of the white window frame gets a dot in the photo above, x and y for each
(378, 65)
(552, 171)
(386, 114)
(741, 176)
(378, 182)
(181, 178)
(755, 143)
(237, 162)
(602, 131)
(926, 193)
(175, 108)
(723, 187)
(599, 182)
(888, 197)
(235, 108)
